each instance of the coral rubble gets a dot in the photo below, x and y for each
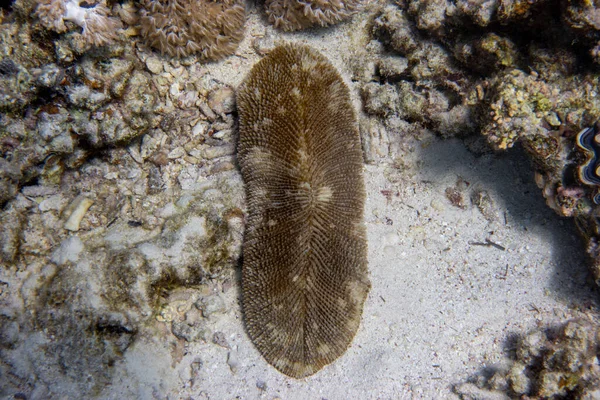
(556, 363)
(117, 193)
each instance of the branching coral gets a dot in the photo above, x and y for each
(210, 28)
(98, 28)
(292, 15)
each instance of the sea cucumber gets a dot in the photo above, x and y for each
(304, 275)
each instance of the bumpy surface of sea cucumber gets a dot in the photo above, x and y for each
(304, 276)
(179, 28)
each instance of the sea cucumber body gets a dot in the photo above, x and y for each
(304, 276)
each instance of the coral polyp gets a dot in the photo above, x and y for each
(211, 29)
(292, 15)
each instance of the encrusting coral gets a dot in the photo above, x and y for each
(292, 15)
(98, 27)
(212, 29)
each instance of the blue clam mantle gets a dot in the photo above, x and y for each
(589, 173)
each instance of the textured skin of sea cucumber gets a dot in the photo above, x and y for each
(304, 276)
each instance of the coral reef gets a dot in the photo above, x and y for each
(304, 278)
(117, 193)
(211, 29)
(120, 203)
(589, 140)
(456, 79)
(162, 221)
(555, 363)
(293, 15)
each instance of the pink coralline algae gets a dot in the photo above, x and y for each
(212, 29)
(98, 27)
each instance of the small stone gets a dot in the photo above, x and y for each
(221, 166)
(196, 368)
(218, 151)
(221, 134)
(220, 340)
(263, 45)
(78, 208)
(206, 110)
(200, 128)
(154, 65)
(222, 101)
(51, 75)
(190, 332)
(55, 202)
(485, 204)
(233, 361)
(552, 120)
(69, 250)
(177, 152)
(211, 305)
(51, 125)
(155, 181)
(10, 234)
(261, 385)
